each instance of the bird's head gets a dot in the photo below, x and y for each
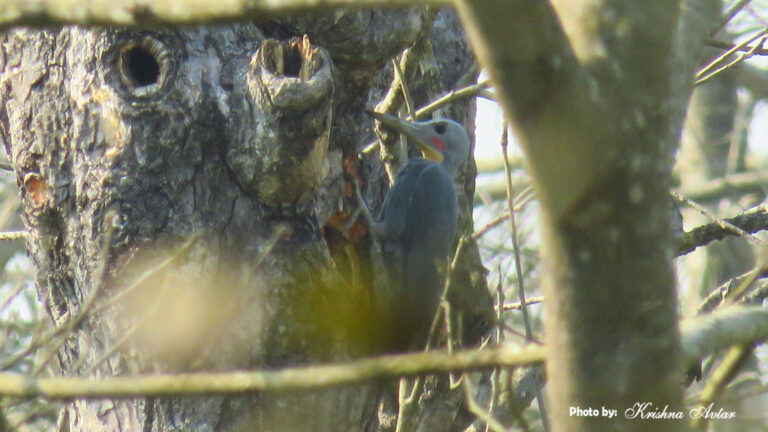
(442, 140)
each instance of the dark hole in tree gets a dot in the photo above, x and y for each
(292, 61)
(140, 66)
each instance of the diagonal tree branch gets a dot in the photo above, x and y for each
(732, 184)
(751, 221)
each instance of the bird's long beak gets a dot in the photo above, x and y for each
(410, 130)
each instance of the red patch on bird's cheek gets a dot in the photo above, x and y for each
(438, 143)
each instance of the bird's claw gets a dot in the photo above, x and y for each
(362, 208)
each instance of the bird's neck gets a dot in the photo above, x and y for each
(451, 165)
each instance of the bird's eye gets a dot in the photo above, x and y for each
(440, 128)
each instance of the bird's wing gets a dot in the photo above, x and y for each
(419, 215)
(432, 211)
(393, 215)
(418, 186)
(421, 207)
(429, 235)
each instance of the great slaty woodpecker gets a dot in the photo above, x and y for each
(417, 229)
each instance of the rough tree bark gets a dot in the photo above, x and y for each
(213, 156)
(596, 92)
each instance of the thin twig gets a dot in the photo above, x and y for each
(518, 260)
(279, 232)
(724, 224)
(724, 374)
(716, 43)
(127, 334)
(73, 321)
(394, 98)
(42, 340)
(404, 87)
(33, 413)
(730, 13)
(96, 287)
(513, 227)
(738, 140)
(10, 298)
(499, 339)
(701, 78)
(718, 296)
(361, 210)
(489, 95)
(479, 411)
(734, 295)
(13, 235)
(453, 96)
(528, 301)
(731, 184)
(521, 200)
(114, 298)
(719, 59)
(757, 295)
(408, 402)
(734, 394)
(753, 13)
(463, 242)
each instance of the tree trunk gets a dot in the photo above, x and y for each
(176, 184)
(596, 93)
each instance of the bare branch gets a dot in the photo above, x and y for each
(13, 235)
(733, 185)
(518, 263)
(454, 95)
(730, 13)
(723, 328)
(393, 100)
(701, 336)
(299, 378)
(751, 221)
(718, 296)
(134, 12)
(517, 305)
(475, 408)
(725, 372)
(716, 43)
(722, 223)
(705, 75)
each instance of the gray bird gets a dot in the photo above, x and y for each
(417, 229)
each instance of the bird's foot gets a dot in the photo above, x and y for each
(361, 210)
